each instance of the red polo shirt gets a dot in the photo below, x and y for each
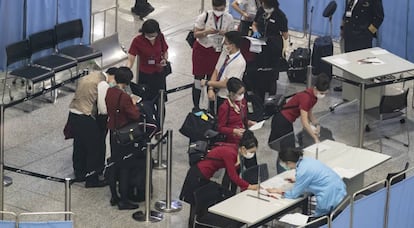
(149, 55)
(301, 101)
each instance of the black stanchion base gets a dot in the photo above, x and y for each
(155, 216)
(174, 206)
(7, 181)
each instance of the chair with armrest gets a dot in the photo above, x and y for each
(20, 52)
(205, 197)
(391, 107)
(74, 30)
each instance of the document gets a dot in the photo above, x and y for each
(371, 60)
(311, 150)
(255, 44)
(345, 173)
(297, 219)
(257, 126)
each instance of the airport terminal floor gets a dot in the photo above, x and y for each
(34, 140)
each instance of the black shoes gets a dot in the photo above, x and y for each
(126, 205)
(114, 201)
(95, 183)
(143, 10)
(338, 88)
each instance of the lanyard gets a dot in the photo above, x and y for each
(221, 22)
(352, 4)
(225, 64)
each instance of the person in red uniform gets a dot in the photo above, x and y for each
(225, 156)
(152, 50)
(282, 136)
(117, 98)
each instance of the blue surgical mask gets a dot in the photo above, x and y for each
(112, 84)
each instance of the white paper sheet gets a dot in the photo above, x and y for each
(379, 52)
(257, 126)
(340, 61)
(297, 219)
(197, 84)
(255, 48)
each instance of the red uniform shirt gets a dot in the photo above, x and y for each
(149, 55)
(128, 111)
(229, 119)
(302, 101)
(227, 158)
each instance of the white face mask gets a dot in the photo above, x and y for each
(284, 165)
(239, 97)
(320, 95)
(150, 38)
(248, 155)
(269, 10)
(218, 13)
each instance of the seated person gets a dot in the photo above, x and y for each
(224, 156)
(314, 177)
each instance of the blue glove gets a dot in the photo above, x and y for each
(257, 35)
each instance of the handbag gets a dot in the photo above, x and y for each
(130, 133)
(190, 38)
(167, 70)
(196, 124)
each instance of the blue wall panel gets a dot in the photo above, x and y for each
(74, 9)
(11, 26)
(369, 211)
(401, 204)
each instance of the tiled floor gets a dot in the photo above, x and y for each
(34, 141)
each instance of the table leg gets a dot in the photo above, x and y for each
(361, 114)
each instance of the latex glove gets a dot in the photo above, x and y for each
(257, 35)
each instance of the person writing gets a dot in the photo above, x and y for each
(314, 177)
(224, 156)
(300, 105)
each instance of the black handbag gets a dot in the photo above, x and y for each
(130, 133)
(167, 70)
(190, 38)
(196, 124)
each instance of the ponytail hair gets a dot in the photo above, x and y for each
(248, 140)
(291, 154)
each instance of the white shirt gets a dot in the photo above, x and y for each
(249, 6)
(236, 66)
(103, 86)
(225, 23)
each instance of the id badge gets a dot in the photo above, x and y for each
(348, 14)
(151, 61)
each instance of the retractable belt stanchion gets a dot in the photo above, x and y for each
(67, 198)
(148, 215)
(309, 68)
(159, 163)
(168, 205)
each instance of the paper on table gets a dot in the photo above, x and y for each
(321, 148)
(345, 173)
(254, 41)
(297, 219)
(379, 52)
(255, 48)
(340, 61)
(257, 126)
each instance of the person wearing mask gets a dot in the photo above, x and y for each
(209, 30)
(88, 146)
(299, 106)
(224, 156)
(270, 24)
(102, 117)
(152, 50)
(312, 176)
(117, 98)
(247, 9)
(230, 64)
(142, 8)
(360, 23)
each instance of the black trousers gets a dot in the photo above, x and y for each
(101, 121)
(88, 155)
(281, 136)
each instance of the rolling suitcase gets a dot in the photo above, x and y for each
(322, 47)
(298, 61)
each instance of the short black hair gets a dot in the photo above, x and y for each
(322, 82)
(150, 26)
(217, 3)
(271, 3)
(234, 84)
(112, 70)
(234, 37)
(248, 140)
(291, 154)
(123, 75)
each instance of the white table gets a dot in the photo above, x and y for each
(349, 162)
(254, 212)
(358, 71)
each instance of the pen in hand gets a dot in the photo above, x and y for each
(269, 195)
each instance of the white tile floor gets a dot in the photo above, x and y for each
(34, 140)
